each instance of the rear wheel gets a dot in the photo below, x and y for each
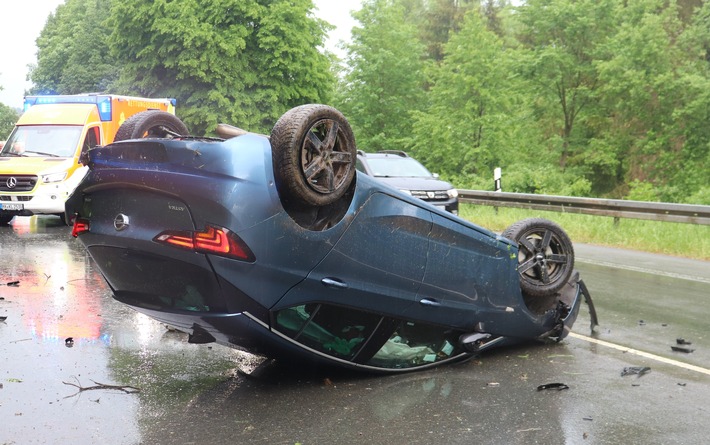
(545, 255)
(151, 124)
(313, 150)
(5, 219)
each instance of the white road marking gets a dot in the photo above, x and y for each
(644, 270)
(641, 353)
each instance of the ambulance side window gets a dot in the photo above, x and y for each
(92, 139)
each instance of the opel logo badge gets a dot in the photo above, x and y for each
(11, 183)
(120, 222)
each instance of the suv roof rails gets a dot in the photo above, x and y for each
(394, 152)
(361, 153)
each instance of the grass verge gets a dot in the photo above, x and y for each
(677, 239)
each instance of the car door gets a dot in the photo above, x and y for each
(377, 265)
(470, 272)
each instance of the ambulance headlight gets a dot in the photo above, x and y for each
(54, 177)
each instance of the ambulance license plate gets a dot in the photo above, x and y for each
(11, 206)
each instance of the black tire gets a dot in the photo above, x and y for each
(64, 218)
(5, 219)
(545, 255)
(313, 150)
(151, 124)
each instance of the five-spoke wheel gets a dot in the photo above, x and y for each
(545, 255)
(314, 153)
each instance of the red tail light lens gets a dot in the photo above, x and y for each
(80, 226)
(213, 240)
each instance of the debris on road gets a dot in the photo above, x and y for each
(557, 386)
(685, 349)
(635, 370)
(682, 341)
(125, 388)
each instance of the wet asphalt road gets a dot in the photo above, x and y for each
(165, 391)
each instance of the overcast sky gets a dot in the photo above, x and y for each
(23, 20)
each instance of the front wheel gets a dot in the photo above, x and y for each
(545, 255)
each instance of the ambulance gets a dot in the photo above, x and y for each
(40, 160)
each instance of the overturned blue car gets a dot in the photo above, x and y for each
(276, 245)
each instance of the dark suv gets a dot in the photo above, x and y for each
(275, 245)
(405, 173)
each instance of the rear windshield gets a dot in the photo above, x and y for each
(397, 167)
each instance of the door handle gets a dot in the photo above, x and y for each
(334, 282)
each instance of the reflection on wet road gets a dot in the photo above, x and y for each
(59, 295)
(198, 394)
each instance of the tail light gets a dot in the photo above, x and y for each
(80, 226)
(213, 240)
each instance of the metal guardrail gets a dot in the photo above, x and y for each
(616, 208)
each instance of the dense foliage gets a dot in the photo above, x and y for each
(244, 62)
(8, 117)
(588, 97)
(604, 98)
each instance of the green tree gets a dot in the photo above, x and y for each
(692, 177)
(688, 8)
(440, 19)
(8, 118)
(655, 87)
(562, 39)
(385, 82)
(479, 118)
(72, 52)
(243, 62)
(462, 130)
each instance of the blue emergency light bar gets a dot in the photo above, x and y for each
(103, 103)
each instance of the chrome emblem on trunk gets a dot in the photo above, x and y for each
(120, 222)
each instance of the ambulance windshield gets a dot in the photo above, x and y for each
(43, 140)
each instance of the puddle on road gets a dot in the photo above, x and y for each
(60, 295)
